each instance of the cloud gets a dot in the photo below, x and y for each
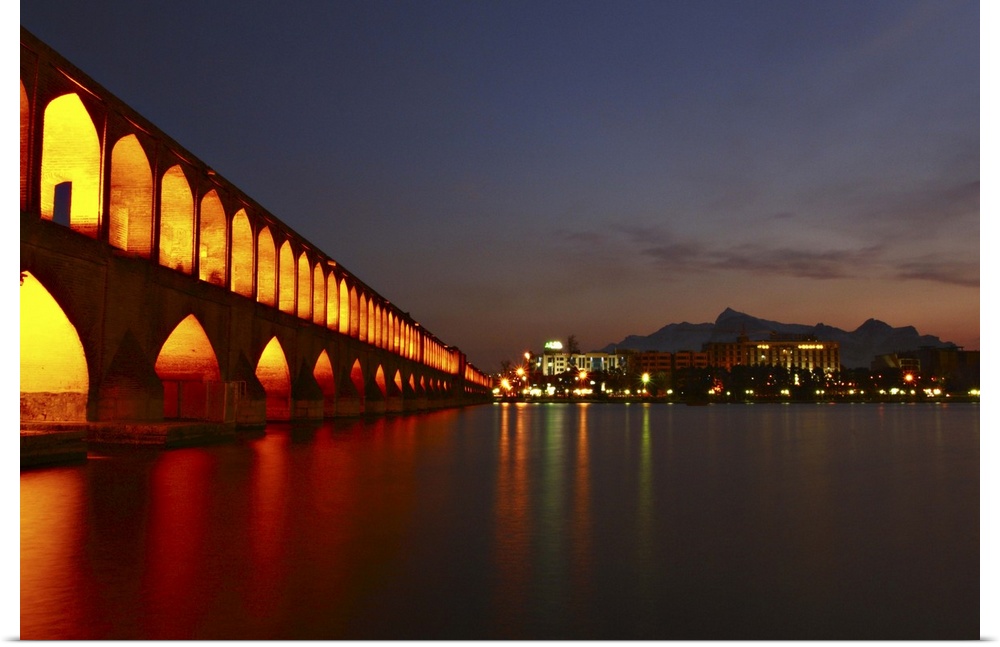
(677, 255)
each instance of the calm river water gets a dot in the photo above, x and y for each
(523, 521)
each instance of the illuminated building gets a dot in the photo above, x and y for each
(787, 351)
(554, 361)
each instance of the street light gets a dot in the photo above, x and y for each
(645, 381)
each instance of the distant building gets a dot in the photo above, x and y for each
(554, 361)
(941, 362)
(654, 362)
(787, 351)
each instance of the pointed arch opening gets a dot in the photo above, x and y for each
(71, 165)
(358, 377)
(241, 255)
(332, 302)
(176, 221)
(380, 380)
(54, 377)
(212, 240)
(323, 372)
(273, 374)
(362, 317)
(355, 317)
(131, 216)
(304, 289)
(319, 295)
(188, 368)
(286, 279)
(265, 267)
(25, 146)
(344, 325)
(398, 379)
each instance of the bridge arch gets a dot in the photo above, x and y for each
(25, 138)
(332, 302)
(286, 279)
(345, 308)
(323, 373)
(319, 295)
(266, 267)
(71, 165)
(354, 312)
(304, 287)
(131, 213)
(176, 221)
(55, 381)
(212, 240)
(186, 364)
(362, 317)
(241, 255)
(273, 374)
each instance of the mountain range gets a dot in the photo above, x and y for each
(857, 348)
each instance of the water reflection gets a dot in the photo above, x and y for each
(522, 521)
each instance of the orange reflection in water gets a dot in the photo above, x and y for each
(52, 531)
(175, 580)
(582, 524)
(513, 526)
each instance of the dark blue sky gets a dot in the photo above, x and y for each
(511, 172)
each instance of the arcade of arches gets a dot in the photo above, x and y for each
(260, 319)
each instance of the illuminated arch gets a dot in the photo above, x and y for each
(131, 215)
(304, 278)
(71, 165)
(391, 341)
(212, 240)
(286, 279)
(398, 379)
(323, 372)
(265, 267)
(362, 317)
(54, 377)
(378, 326)
(319, 295)
(380, 379)
(241, 256)
(25, 135)
(187, 361)
(358, 377)
(345, 308)
(354, 312)
(332, 302)
(371, 321)
(272, 372)
(176, 221)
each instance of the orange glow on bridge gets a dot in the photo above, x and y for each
(304, 289)
(241, 270)
(212, 240)
(265, 267)
(185, 364)
(25, 121)
(131, 214)
(272, 372)
(344, 325)
(54, 377)
(71, 164)
(323, 372)
(176, 221)
(319, 296)
(286, 279)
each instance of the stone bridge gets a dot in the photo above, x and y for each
(157, 296)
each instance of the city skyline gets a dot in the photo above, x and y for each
(509, 172)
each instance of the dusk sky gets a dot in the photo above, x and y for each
(511, 172)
